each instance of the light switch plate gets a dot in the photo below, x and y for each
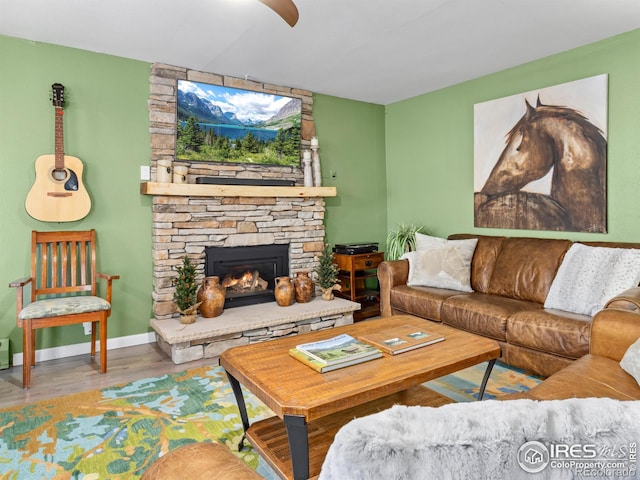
(145, 172)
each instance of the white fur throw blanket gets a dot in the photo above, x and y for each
(482, 440)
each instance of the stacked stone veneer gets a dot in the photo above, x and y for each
(209, 337)
(186, 225)
(212, 347)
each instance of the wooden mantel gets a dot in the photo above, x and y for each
(208, 190)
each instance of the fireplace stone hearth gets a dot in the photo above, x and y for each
(209, 337)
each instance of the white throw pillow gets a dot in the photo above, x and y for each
(590, 276)
(447, 265)
(630, 363)
(425, 242)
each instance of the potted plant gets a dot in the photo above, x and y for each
(402, 240)
(327, 273)
(185, 293)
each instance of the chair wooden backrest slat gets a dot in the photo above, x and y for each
(63, 268)
(63, 263)
(42, 259)
(74, 264)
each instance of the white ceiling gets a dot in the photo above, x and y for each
(378, 51)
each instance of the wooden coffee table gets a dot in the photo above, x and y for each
(310, 407)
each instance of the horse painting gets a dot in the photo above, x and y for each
(548, 137)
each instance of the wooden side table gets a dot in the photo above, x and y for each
(358, 276)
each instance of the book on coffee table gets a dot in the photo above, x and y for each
(322, 367)
(338, 351)
(401, 339)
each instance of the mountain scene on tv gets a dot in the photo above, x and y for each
(223, 124)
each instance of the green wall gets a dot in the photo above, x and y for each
(351, 136)
(106, 125)
(429, 141)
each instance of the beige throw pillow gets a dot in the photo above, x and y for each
(447, 264)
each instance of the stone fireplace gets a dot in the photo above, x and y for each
(197, 218)
(185, 224)
(190, 225)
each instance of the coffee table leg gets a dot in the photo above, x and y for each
(298, 445)
(237, 391)
(487, 373)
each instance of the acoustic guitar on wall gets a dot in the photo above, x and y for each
(58, 194)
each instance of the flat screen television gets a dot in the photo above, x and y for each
(232, 125)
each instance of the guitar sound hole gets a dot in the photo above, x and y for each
(59, 174)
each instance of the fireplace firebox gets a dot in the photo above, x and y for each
(247, 273)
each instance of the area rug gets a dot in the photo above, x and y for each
(117, 432)
(463, 386)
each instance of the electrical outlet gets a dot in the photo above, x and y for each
(145, 172)
(87, 327)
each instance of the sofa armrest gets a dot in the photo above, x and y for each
(390, 274)
(613, 331)
(627, 300)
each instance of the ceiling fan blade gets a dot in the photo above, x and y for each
(285, 8)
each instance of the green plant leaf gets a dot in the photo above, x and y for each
(402, 240)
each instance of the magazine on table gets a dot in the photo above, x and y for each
(401, 339)
(322, 367)
(339, 349)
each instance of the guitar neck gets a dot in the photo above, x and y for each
(59, 140)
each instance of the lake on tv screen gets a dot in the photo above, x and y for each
(238, 131)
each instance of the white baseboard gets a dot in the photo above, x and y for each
(85, 348)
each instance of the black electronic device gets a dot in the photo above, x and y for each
(355, 248)
(268, 182)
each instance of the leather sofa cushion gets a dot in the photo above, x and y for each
(526, 267)
(534, 361)
(484, 259)
(424, 302)
(589, 376)
(553, 331)
(482, 314)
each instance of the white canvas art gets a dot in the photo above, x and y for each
(540, 158)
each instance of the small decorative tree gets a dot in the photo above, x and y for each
(186, 289)
(327, 273)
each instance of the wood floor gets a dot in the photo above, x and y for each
(55, 378)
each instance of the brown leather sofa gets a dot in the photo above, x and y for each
(597, 374)
(510, 278)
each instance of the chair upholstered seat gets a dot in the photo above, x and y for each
(54, 307)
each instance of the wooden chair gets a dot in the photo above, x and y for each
(63, 286)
